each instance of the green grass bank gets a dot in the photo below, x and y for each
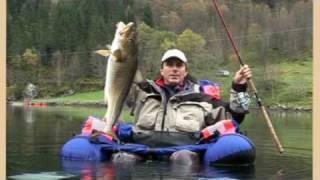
(284, 84)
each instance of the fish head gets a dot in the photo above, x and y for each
(124, 39)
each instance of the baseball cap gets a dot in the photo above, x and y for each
(174, 53)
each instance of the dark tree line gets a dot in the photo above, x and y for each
(50, 42)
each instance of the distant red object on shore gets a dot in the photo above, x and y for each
(28, 103)
(38, 104)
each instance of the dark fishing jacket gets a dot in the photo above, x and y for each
(175, 115)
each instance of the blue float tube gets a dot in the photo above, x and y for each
(231, 149)
(80, 148)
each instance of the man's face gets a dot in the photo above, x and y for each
(173, 71)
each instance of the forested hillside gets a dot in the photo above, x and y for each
(51, 42)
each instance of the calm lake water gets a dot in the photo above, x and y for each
(35, 136)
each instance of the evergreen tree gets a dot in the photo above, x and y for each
(147, 15)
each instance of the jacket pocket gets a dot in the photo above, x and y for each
(147, 111)
(190, 116)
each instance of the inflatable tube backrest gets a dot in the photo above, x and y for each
(210, 88)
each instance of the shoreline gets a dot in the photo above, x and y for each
(93, 103)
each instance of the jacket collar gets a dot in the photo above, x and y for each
(160, 82)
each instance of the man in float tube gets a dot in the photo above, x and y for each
(172, 109)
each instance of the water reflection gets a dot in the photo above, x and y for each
(35, 136)
(153, 170)
(28, 115)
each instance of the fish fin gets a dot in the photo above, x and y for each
(103, 52)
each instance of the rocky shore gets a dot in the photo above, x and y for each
(58, 103)
(282, 107)
(275, 107)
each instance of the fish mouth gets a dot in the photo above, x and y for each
(127, 30)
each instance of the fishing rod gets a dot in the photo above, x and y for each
(251, 84)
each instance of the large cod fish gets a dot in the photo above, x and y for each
(121, 70)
